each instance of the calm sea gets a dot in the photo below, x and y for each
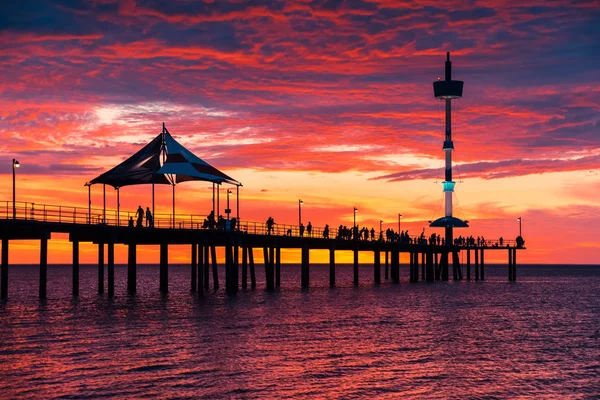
(537, 338)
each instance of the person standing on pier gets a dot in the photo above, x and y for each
(149, 219)
(140, 216)
(270, 223)
(301, 229)
(309, 229)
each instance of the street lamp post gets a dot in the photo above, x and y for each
(300, 202)
(355, 211)
(520, 230)
(228, 210)
(15, 164)
(399, 217)
(380, 227)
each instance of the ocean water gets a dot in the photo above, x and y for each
(536, 338)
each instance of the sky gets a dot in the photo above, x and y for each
(330, 102)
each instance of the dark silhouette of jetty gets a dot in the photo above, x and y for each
(165, 161)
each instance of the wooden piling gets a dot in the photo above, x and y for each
(277, 266)
(215, 269)
(355, 266)
(244, 267)
(305, 268)
(131, 268)
(514, 274)
(100, 268)
(206, 267)
(43, 267)
(228, 266)
(429, 269)
(4, 283)
(200, 268)
(377, 266)
(75, 245)
(252, 271)
(510, 268)
(468, 264)
(332, 266)
(164, 267)
(236, 267)
(194, 267)
(111, 269)
(395, 265)
(476, 252)
(482, 271)
(386, 265)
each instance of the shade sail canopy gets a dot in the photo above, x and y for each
(448, 222)
(185, 166)
(147, 166)
(138, 169)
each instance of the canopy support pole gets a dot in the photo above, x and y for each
(237, 212)
(118, 208)
(104, 209)
(153, 204)
(218, 200)
(173, 206)
(213, 199)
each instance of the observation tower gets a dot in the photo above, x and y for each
(448, 90)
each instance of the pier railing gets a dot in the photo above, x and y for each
(98, 216)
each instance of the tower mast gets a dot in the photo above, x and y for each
(448, 90)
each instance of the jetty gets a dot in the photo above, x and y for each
(165, 161)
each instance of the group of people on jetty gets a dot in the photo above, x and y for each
(343, 232)
(139, 215)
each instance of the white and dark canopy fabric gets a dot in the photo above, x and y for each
(162, 161)
(184, 166)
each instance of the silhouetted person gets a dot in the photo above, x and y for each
(270, 223)
(501, 241)
(140, 216)
(326, 232)
(149, 219)
(372, 234)
(289, 232)
(131, 222)
(301, 229)
(309, 229)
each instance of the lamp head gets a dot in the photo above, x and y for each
(400, 215)
(355, 209)
(301, 202)
(519, 219)
(16, 163)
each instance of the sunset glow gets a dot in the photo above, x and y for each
(329, 103)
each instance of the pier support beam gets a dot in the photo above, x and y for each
(206, 266)
(215, 269)
(131, 268)
(4, 283)
(75, 245)
(395, 265)
(377, 267)
(252, 270)
(244, 267)
(194, 267)
(164, 268)
(386, 265)
(444, 264)
(236, 267)
(482, 272)
(111, 269)
(305, 273)
(468, 264)
(332, 267)
(429, 268)
(355, 266)
(514, 274)
(476, 264)
(457, 271)
(101, 268)
(43, 267)
(277, 266)
(200, 269)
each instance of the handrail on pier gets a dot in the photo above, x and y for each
(83, 215)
